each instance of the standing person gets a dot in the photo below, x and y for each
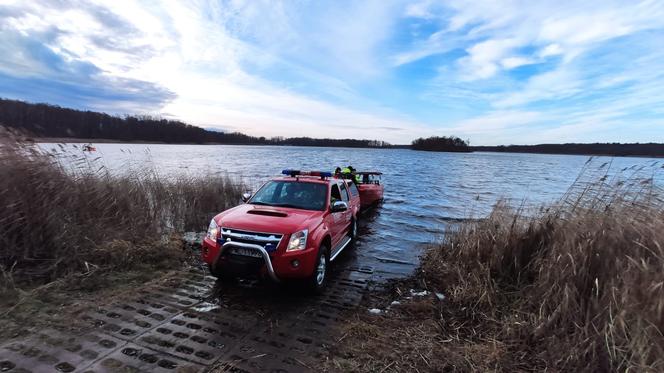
(357, 178)
(350, 175)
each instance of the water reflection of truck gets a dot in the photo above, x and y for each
(293, 227)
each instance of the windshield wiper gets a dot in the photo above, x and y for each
(260, 203)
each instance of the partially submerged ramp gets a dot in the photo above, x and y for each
(183, 327)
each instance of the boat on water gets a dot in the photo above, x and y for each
(89, 148)
(370, 187)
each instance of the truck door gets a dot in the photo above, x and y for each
(354, 197)
(337, 227)
(348, 214)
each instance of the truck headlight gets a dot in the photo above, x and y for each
(213, 231)
(298, 241)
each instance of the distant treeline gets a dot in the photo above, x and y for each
(455, 144)
(43, 120)
(613, 149)
(441, 144)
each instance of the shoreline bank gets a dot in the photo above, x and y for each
(66, 140)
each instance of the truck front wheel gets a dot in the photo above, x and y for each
(220, 275)
(318, 280)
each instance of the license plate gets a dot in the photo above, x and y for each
(245, 252)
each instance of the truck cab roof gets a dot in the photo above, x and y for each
(320, 177)
(303, 179)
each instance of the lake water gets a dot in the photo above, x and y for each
(424, 191)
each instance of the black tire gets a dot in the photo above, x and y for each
(213, 272)
(352, 231)
(220, 275)
(316, 284)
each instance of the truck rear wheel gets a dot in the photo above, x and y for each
(318, 280)
(352, 231)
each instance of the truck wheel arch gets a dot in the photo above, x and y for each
(327, 241)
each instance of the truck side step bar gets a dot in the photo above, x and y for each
(342, 245)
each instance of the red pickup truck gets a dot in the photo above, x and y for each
(291, 228)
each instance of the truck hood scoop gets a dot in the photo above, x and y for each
(268, 212)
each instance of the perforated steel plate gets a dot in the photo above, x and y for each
(135, 358)
(183, 326)
(51, 350)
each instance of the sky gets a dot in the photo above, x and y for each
(493, 72)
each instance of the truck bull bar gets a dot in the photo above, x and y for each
(259, 248)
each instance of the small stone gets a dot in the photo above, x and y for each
(375, 311)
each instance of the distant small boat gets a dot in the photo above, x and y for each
(371, 190)
(89, 148)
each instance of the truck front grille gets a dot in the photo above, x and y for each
(269, 241)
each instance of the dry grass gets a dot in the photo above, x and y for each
(577, 286)
(59, 220)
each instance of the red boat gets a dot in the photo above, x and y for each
(371, 190)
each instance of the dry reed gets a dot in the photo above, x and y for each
(575, 286)
(63, 218)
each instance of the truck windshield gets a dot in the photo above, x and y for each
(307, 196)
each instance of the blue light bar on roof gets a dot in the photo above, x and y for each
(306, 173)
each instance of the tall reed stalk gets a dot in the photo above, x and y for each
(60, 217)
(578, 286)
(575, 286)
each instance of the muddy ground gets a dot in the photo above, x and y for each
(188, 322)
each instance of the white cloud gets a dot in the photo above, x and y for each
(551, 50)
(499, 29)
(436, 43)
(420, 9)
(198, 50)
(484, 58)
(260, 109)
(496, 122)
(506, 70)
(559, 83)
(514, 62)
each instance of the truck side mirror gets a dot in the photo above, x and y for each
(339, 206)
(246, 196)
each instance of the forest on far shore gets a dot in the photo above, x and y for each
(51, 121)
(611, 149)
(441, 144)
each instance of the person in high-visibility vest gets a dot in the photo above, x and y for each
(348, 174)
